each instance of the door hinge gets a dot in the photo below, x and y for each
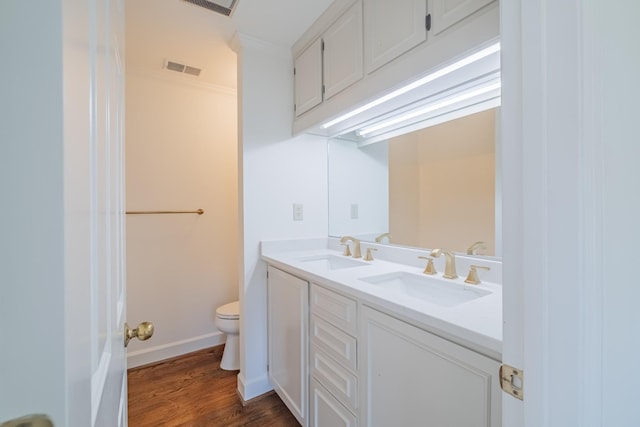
(427, 22)
(322, 45)
(512, 381)
(323, 89)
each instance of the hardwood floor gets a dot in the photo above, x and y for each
(193, 391)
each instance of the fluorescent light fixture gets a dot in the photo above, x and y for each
(429, 108)
(420, 82)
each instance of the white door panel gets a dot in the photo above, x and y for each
(108, 381)
(65, 276)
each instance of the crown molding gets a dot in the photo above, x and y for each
(241, 41)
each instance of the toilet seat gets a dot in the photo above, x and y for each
(229, 311)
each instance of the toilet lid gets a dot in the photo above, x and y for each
(229, 311)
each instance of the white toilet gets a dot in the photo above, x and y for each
(228, 321)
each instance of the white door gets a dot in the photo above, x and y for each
(449, 12)
(342, 53)
(308, 78)
(287, 312)
(106, 233)
(62, 308)
(391, 29)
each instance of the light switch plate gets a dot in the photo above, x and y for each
(354, 211)
(298, 211)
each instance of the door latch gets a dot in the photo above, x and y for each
(511, 381)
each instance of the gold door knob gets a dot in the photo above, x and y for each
(143, 332)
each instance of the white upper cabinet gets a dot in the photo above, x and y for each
(343, 52)
(308, 78)
(371, 46)
(332, 62)
(449, 12)
(391, 29)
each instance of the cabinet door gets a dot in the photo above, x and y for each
(410, 377)
(446, 13)
(308, 78)
(326, 411)
(392, 28)
(287, 305)
(342, 55)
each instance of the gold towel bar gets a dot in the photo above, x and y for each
(199, 212)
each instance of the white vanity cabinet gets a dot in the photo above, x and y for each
(287, 328)
(331, 63)
(336, 361)
(334, 394)
(410, 377)
(391, 29)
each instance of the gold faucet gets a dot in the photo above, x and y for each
(430, 268)
(382, 236)
(471, 250)
(356, 245)
(347, 251)
(472, 277)
(450, 262)
(369, 255)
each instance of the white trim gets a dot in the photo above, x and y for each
(179, 79)
(178, 348)
(242, 41)
(251, 389)
(591, 274)
(512, 196)
(98, 380)
(534, 274)
(122, 413)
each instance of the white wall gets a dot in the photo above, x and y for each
(276, 171)
(32, 289)
(181, 154)
(358, 175)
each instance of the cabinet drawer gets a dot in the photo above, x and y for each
(340, 382)
(334, 342)
(336, 309)
(326, 411)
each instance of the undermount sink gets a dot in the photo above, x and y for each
(333, 262)
(427, 288)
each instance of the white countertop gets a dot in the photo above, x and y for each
(476, 324)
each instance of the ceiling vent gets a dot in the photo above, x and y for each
(225, 7)
(181, 68)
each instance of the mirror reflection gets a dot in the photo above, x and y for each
(435, 187)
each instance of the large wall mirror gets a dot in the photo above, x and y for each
(435, 187)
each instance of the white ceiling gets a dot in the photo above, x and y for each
(157, 30)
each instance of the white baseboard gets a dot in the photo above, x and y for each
(178, 348)
(254, 388)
